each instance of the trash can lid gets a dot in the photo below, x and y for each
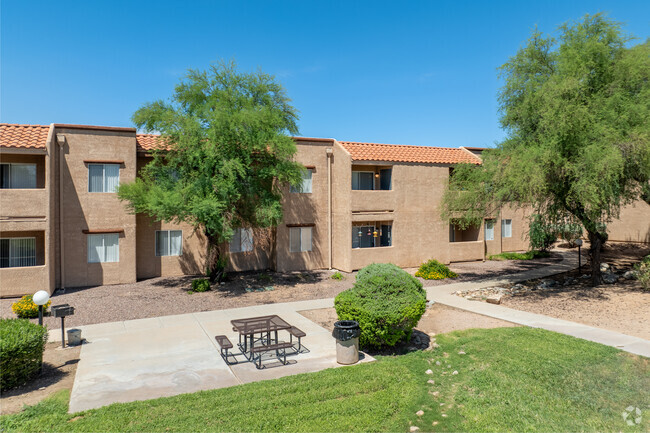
(346, 324)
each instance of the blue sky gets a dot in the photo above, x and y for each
(391, 72)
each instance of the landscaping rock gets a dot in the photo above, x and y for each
(419, 413)
(429, 371)
(604, 267)
(414, 428)
(461, 353)
(629, 275)
(496, 299)
(610, 278)
(431, 382)
(455, 372)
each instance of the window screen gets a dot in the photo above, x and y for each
(489, 230)
(17, 252)
(506, 228)
(305, 187)
(103, 248)
(103, 177)
(169, 242)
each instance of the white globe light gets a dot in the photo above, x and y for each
(41, 297)
(578, 242)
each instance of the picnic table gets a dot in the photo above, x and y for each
(259, 335)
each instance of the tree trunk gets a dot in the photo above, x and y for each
(594, 255)
(215, 263)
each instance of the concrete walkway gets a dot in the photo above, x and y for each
(164, 356)
(445, 295)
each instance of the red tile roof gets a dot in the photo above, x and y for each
(148, 142)
(23, 136)
(404, 153)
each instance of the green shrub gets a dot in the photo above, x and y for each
(338, 276)
(528, 255)
(643, 272)
(21, 351)
(569, 232)
(541, 235)
(434, 270)
(26, 308)
(386, 301)
(200, 285)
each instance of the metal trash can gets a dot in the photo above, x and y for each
(346, 333)
(74, 337)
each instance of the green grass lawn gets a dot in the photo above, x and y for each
(510, 379)
(528, 255)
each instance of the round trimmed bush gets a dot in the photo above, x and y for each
(434, 270)
(21, 351)
(386, 301)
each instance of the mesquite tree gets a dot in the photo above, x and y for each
(227, 153)
(576, 110)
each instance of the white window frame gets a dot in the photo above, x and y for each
(33, 181)
(307, 180)
(29, 259)
(358, 182)
(506, 228)
(489, 232)
(104, 179)
(242, 241)
(169, 243)
(302, 238)
(102, 257)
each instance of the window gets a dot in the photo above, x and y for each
(103, 177)
(363, 180)
(17, 176)
(169, 242)
(371, 235)
(103, 248)
(306, 182)
(17, 252)
(299, 239)
(489, 230)
(385, 176)
(506, 228)
(242, 241)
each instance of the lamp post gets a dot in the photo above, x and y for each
(40, 298)
(578, 242)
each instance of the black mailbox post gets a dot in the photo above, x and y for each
(62, 311)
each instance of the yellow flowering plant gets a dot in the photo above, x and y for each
(26, 308)
(434, 270)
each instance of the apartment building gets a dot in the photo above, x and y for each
(62, 225)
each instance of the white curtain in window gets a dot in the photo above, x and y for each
(111, 243)
(306, 181)
(95, 178)
(23, 176)
(95, 248)
(111, 177)
(175, 242)
(235, 242)
(103, 248)
(294, 239)
(246, 239)
(162, 242)
(305, 238)
(489, 230)
(22, 252)
(506, 228)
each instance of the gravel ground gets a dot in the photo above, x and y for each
(623, 306)
(166, 296)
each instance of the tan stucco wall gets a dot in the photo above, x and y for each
(83, 210)
(633, 224)
(26, 213)
(306, 208)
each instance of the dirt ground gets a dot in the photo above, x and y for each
(437, 319)
(59, 367)
(166, 296)
(623, 306)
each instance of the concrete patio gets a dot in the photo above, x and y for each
(164, 356)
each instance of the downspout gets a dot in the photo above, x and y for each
(60, 139)
(329, 204)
